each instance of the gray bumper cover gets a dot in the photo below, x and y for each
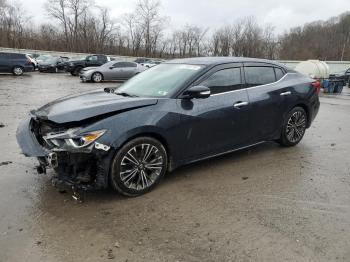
(27, 141)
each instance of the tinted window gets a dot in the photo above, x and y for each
(101, 57)
(14, 56)
(279, 73)
(92, 58)
(118, 65)
(124, 64)
(224, 80)
(256, 76)
(130, 65)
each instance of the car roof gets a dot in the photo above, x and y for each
(212, 61)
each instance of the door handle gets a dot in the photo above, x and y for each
(239, 105)
(286, 93)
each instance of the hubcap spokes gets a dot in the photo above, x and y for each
(97, 77)
(296, 127)
(141, 166)
(18, 71)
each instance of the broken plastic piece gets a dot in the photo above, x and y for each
(102, 147)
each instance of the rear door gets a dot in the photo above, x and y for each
(116, 71)
(221, 122)
(268, 98)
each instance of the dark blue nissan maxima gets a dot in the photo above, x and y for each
(173, 114)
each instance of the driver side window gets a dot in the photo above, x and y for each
(225, 80)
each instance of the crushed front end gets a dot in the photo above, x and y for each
(78, 159)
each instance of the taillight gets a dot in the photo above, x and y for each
(28, 62)
(317, 86)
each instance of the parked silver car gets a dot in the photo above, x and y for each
(111, 71)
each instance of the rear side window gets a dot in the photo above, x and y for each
(256, 76)
(279, 73)
(92, 58)
(224, 81)
(17, 56)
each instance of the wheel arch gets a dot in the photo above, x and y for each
(14, 66)
(20, 66)
(103, 77)
(152, 134)
(307, 110)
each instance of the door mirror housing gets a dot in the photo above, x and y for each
(200, 92)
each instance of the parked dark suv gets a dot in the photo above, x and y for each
(170, 115)
(74, 67)
(15, 63)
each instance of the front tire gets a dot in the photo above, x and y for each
(138, 166)
(17, 71)
(97, 77)
(294, 127)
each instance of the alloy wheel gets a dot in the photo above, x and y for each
(296, 127)
(141, 166)
(97, 77)
(18, 71)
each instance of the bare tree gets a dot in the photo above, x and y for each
(148, 15)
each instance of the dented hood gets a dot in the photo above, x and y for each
(80, 107)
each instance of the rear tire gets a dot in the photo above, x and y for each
(17, 71)
(138, 166)
(294, 127)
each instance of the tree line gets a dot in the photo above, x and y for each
(82, 26)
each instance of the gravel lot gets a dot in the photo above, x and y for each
(263, 204)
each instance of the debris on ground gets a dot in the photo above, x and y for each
(245, 178)
(333, 144)
(110, 254)
(116, 244)
(2, 125)
(5, 163)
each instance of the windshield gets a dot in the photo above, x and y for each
(159, 81)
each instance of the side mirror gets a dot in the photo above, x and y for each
(200, 92)
(111, 67)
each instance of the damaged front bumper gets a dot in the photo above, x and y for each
(84, 167)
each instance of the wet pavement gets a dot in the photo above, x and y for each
(266, 203)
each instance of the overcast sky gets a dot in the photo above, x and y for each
(213, 13)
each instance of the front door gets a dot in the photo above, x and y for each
(219, 123)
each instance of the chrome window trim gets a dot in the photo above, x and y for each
(255, 86)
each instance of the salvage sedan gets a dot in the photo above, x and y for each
(179, 112)
(111, 71)
(52, 65)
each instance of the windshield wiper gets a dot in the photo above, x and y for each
(125, 94)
